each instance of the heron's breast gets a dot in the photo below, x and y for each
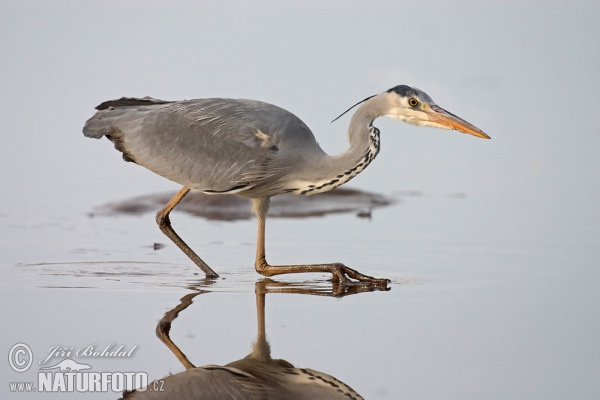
(323, 185)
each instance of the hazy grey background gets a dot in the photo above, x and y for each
(495, 256)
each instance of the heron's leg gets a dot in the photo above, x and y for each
(339, 272)
(164, 223)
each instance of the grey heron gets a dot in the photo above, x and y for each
(254, 150)
(256, 376)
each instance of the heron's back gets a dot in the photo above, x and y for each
(213, 145)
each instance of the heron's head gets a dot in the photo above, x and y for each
(415, 107)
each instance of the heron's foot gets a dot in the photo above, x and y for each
(343, 274)
(340, 274)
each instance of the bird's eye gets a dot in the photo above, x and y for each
(413, 102)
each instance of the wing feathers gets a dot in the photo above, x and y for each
(130, 101)
(214, 145)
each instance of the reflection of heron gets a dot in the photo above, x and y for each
(254, 150)
(256, 376)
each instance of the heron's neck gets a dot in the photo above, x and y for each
(363, 137)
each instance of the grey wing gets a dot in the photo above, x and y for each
(213, 145)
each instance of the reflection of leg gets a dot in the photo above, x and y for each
(339, 272)
(261, 350)
(164, 327)
(164, 223)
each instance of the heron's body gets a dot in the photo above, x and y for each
(234, 146)
(253, 149)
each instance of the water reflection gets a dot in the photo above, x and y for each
(258, 375)
(232, 208)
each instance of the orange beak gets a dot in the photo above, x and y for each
(451, 121)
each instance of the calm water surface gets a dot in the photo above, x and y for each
(470, 312)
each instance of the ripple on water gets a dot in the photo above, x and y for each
(121, 275)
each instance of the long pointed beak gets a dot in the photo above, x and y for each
(451, 121)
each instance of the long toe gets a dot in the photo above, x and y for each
(363, 278)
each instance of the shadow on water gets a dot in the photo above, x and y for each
(257, 375)
(233, 208)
